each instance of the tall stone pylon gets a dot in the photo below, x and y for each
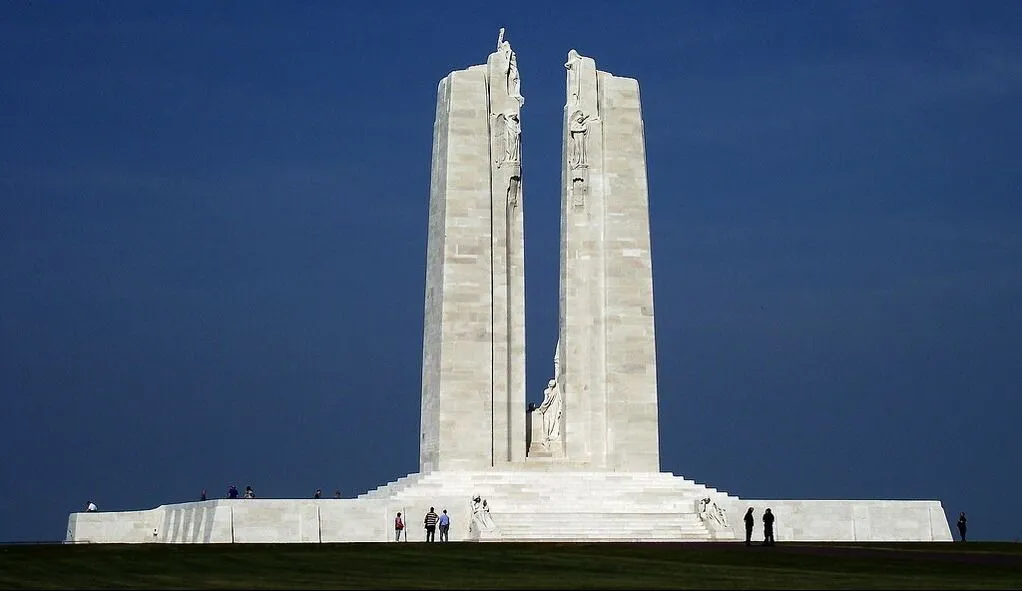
(605, 369)
(473, 351)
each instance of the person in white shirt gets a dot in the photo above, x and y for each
(91, 507)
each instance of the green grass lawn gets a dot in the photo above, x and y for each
(974, 565)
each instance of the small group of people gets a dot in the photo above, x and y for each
(768, 527)
(319, 494)
(232, 492)
(431, 522)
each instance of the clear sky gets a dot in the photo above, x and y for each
(213, 231)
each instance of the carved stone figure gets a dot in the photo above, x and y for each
(578, 128)
(514, 82)
(711, 513)
(481, 518)
(550, 410)
(512, 139)
(546, 418)
(573, 65)
(514, 191)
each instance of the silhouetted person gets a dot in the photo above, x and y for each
(768, 528)
(318, 494)
(232, 492)
(202, 497)
(962, 525)
(750, 521)
(337, 494)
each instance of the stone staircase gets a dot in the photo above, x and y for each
(539, 505)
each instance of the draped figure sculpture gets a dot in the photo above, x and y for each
(578, 127)
(547, 416)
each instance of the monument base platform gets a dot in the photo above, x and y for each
(519, 505)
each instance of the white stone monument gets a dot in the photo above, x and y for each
(473, 355)
(584, 465)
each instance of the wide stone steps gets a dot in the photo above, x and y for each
(563, 506)
(594, 536)
(617, 526)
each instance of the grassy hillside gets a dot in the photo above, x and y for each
(975, 565)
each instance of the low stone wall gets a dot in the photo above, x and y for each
(130, 527)
(263, 521)
(844, 520)
(525, 505)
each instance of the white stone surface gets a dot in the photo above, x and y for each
(554, 504)
(473, 362)
(608, 363)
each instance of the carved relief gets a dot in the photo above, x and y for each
(712, 514)
(574, 66)
(510, 128)
(578, 130)
(481, 518)
(579, 191)
(514, 81)
(514, 191)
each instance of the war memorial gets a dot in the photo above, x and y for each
(584, 465)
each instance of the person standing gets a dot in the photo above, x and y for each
(399, 526)
(750, 521)
(768, 528)
(430, 523)
(962, 521)
(445, 527)
(202, 496)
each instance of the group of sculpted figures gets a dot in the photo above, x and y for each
(481, 519)
(510, 122)
(712, 514)
(508, 126)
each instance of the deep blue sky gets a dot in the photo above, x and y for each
(213, 231)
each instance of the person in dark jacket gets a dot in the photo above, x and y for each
(750, 521)
(768, 528)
